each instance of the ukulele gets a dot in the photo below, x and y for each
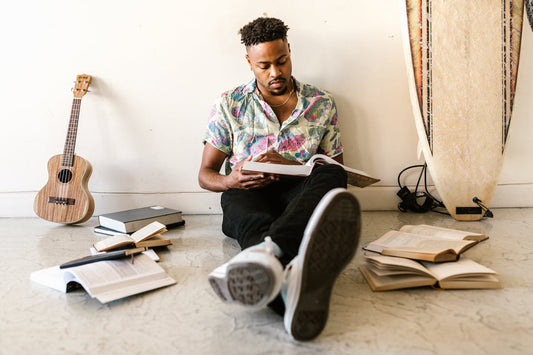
(65, 197)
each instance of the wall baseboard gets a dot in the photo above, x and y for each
(20, 204)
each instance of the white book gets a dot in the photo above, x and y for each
(355, 177)
(107, 280)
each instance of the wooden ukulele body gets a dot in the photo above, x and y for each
(66, 198)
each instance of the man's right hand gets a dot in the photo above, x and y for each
(239, 179)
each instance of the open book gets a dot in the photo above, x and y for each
(384, 273)
(424, 242)
(148, 236)
(107, 280)
(355, 177)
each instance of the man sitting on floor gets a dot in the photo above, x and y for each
(310, 226)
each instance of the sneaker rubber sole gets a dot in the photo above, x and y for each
(329, 244)
(247, 284)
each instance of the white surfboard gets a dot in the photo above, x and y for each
(462, 58)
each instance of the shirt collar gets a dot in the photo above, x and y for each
(252, 86)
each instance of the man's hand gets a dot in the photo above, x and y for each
(274, 157)
(239, 179)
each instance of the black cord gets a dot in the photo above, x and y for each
(409, 199)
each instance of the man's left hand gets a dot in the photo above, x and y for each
(274, 157)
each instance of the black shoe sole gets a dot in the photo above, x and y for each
(331, 247)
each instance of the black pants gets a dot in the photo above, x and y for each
(280, 210)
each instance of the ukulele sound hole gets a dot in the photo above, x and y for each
(65, 176)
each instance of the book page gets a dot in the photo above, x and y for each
(113, 242)
(281, 169)
(440, 232)
(329, 160)
(386, 283)
(461, 267)
(389, 265)
(50, 277)
(148, 231)
(395, 240)
(108, 276)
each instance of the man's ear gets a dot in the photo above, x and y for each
(249, 61)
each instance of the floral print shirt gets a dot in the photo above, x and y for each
(241, 124)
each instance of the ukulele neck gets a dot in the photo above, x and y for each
(70, 143)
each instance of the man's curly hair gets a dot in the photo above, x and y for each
(263, 29)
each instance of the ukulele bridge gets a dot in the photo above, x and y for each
(61, 200)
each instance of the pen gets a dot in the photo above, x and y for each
(104, 256)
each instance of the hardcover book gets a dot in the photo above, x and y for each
(129, 221)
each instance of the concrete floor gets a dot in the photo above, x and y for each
(187, 318)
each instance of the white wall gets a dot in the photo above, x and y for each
(158, 65)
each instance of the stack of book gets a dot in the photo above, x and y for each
(423, 255)
(129, 221)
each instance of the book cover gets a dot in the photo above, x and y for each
(131, 220)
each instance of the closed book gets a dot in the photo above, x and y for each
(129, 221)
(109, 231)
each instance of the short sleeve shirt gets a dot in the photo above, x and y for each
(241, 124)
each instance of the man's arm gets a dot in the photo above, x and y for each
(209, 176)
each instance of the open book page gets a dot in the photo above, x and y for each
(462, 267)
(384, 273)
(121, 278)
(51, 277)
(148, 231)
(329, 160)
(395, 240)
(114, 241)
(355, 177)
(390, 273)
(464, 274)
(108, 280)
(440, 232)
(390, 265)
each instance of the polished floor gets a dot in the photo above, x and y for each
(187, 318)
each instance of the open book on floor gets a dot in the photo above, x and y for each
(425, 242)
(355, 177)
(384, 273)
(107, 280)
(148, 236)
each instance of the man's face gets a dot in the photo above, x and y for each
(271, 64)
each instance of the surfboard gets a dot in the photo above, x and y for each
(462, 58)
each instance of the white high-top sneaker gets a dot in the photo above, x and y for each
(329, 244)
(252, 278)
